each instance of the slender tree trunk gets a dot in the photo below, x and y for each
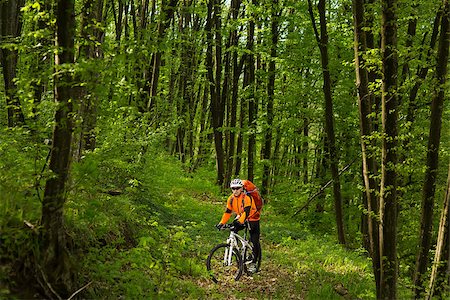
(366, 130)
(118, 17)
(388, 189)
(373, 44)
(270, 99)
(92, 15)
(305, 144)
(55, 254)
(322, 41)
(204, 141)
(434, 139)
(168, 10)
(240, 139)
(217, 107)
(442, 235)
(185, 101)
(410, 34)
(421, 74)
(11, 26)
(252, 104)
(40, 63)
(235, 6)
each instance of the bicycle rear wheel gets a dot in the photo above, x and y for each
(218, 266)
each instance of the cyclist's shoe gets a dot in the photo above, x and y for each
(251, 268)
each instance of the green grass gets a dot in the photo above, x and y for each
(152, 240)
(176, 220)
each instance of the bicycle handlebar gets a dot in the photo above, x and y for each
(227, 226)
(231, 227)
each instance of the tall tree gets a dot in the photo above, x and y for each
(217, 106)
(432, 161)
(10, 29)
(441, 244)
(388, 188)
(322, 41)
(167, 14)
(366, 130)
(249, 84)
(186, 104)
(55, 264)
(92, 20)
(421, 74)
(236, 72)
(270, 98)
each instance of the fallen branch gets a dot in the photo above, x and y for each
(48, 284)
(322, 189)
(79, 290)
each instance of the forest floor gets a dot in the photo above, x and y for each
(152, 241)
(296, 263)
(273, 281)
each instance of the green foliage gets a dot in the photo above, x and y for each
(139, 226)
(134, 244)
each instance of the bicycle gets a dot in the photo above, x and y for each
(229, 260)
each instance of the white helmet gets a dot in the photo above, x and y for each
(236, 183)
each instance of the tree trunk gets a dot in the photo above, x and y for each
(186, 105)
(252, 104)
(440, 244)
(240, 139)
(421, 74)
(434, 139)
(322, 41)
(388, 189)
(92, 14)
(11, 26)
(366, 130)
(40, 62)
(217, 107)
(305, 144)
(233, 43)
(204, 141)
(55, 254)
(270, 99)
(167, 13)
(373, 73)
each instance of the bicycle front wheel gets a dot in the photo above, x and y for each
(223, 267)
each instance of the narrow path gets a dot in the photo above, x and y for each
(274, 281)
(296, 264)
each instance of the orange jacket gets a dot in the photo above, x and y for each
(240, 205)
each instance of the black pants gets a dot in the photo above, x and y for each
(254, 237)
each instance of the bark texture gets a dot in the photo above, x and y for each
(388, 189)
(55, 262)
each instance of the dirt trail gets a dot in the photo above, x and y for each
(272, 282)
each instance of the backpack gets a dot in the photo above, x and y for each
(253, 192)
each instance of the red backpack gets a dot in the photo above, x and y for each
(253, 192)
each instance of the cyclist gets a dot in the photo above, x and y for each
(245, 209)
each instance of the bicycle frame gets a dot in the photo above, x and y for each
(238, 242)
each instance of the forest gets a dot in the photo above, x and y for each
(123, 122)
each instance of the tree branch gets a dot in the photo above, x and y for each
(322, 188)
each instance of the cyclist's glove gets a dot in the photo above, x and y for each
(237, 225)
(219, 226)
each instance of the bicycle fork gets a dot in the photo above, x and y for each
(228, 254)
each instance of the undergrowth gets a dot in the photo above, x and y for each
(153, 239)
(142, 227)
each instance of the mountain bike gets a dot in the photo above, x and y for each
(228, 261)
